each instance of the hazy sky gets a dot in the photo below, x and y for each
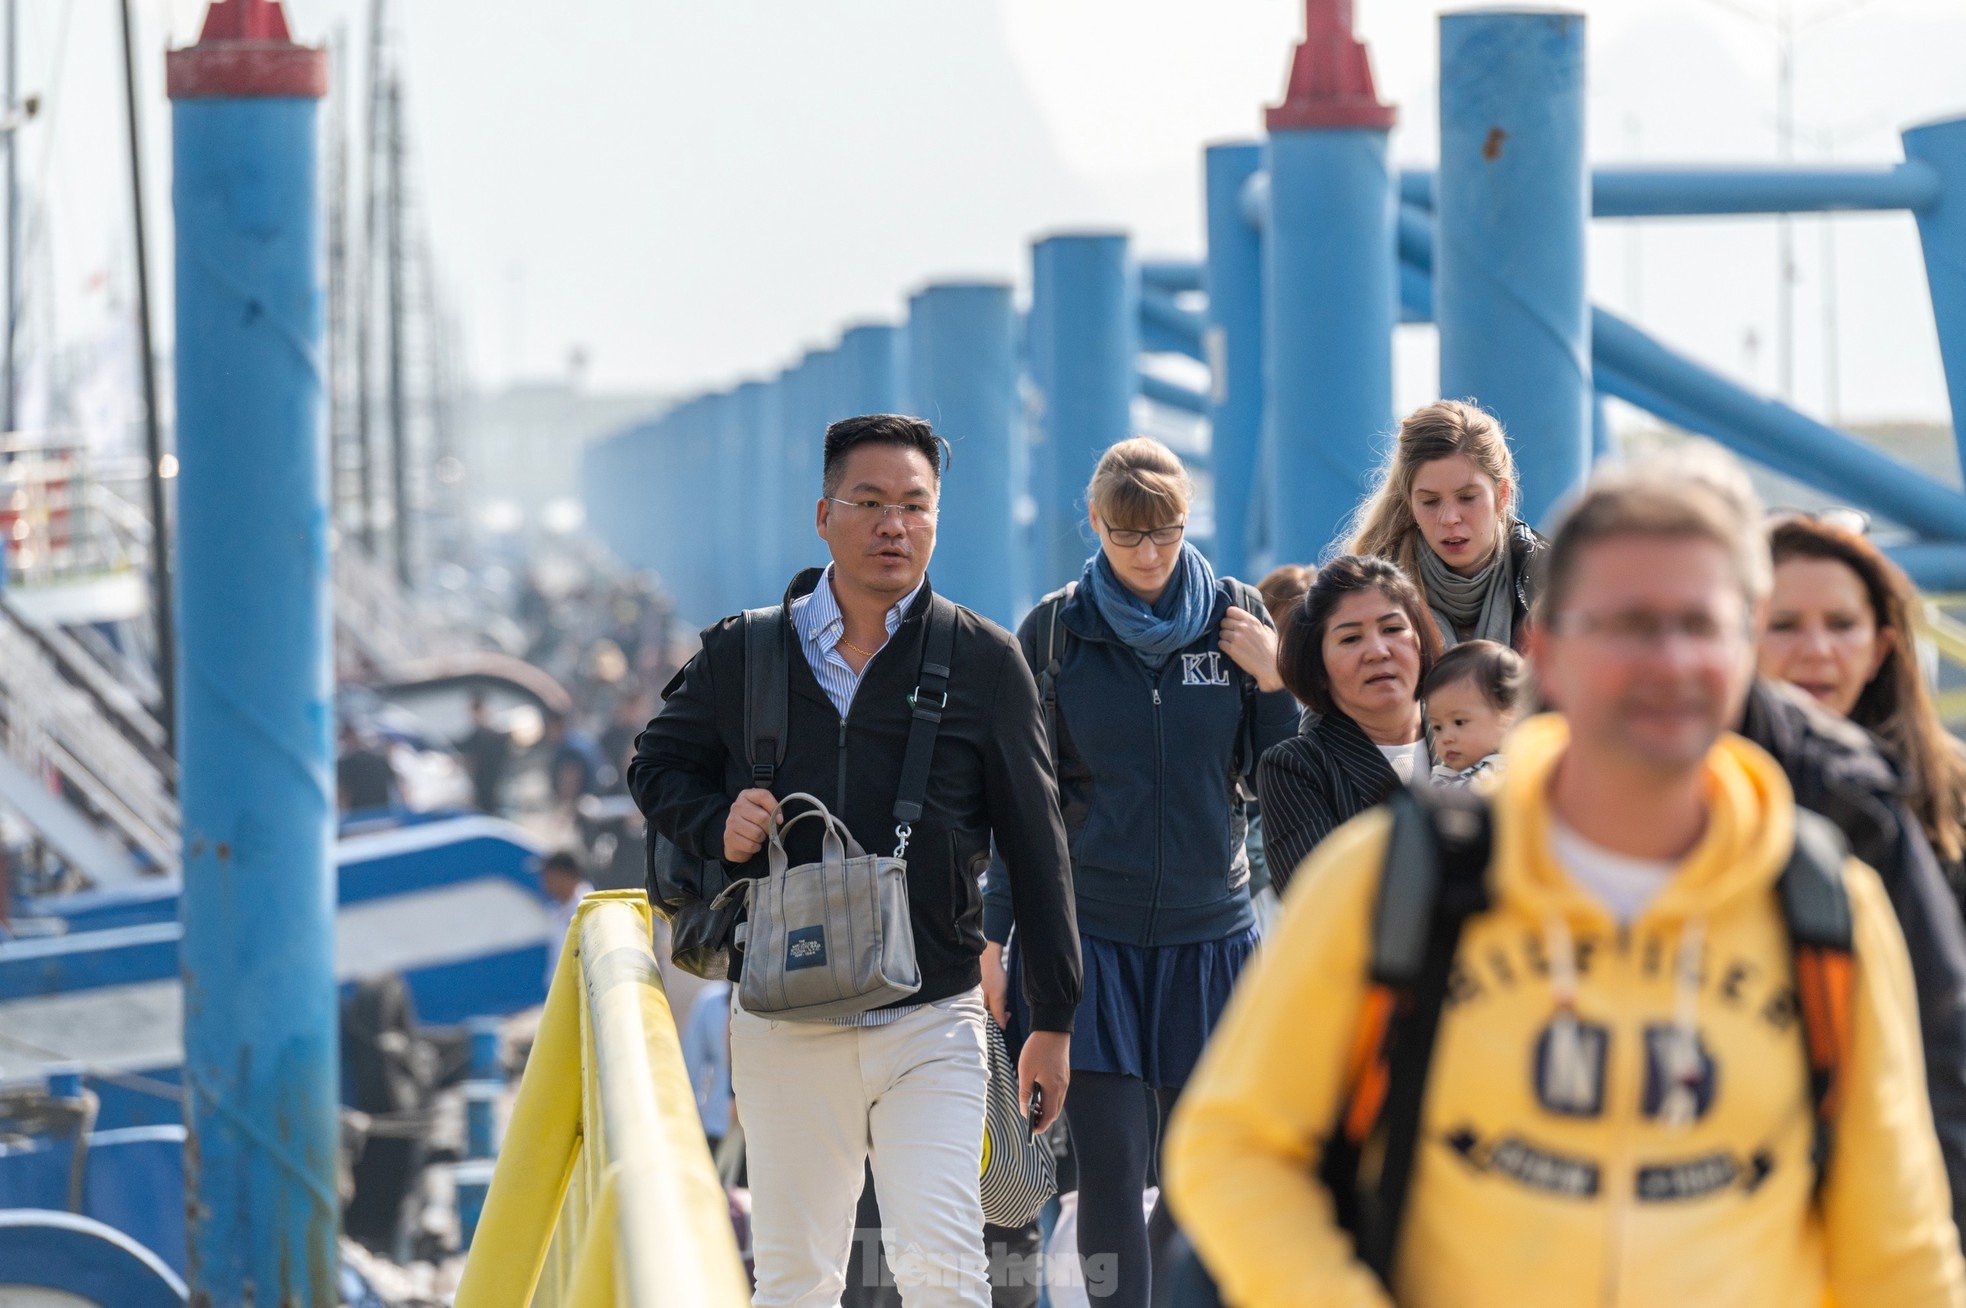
(692, 193)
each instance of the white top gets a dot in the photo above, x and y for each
(1408, 761)
(1623, 884)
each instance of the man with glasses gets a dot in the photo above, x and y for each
(1629, 1097)
(901, 1087)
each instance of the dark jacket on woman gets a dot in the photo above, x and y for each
(1838, 769)
(1312, 784)
(1147, 778)
(989, 777)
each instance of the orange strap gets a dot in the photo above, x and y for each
(1366, 1076)
(1824, 979)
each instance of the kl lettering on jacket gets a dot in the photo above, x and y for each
(1203, 670)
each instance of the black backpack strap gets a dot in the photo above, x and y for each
(1250, 600)
(930, 700)
(1816, 909)
(766, 691)
(1052, 642)
(1434, 880)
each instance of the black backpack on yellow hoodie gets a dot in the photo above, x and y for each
(1435, 879)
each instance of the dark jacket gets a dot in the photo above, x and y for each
(1314, 783)
(990, 777)
(1839, 771)
(1147, 781)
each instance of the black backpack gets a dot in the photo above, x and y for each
(1435, 879)
(682, 888)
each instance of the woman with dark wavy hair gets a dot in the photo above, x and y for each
(1354, 651)
(1841, 628)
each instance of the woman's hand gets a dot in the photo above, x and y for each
(1252, 643)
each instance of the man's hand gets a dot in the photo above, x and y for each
(1047, 1062)
(747, 827)
(996, 983)
(1252, 645)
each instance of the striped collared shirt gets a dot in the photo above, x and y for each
(820, 624)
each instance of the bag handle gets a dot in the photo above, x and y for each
(836, 845)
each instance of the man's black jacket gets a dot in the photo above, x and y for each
(1837, 770)
(990, 777)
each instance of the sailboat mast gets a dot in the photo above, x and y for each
(153, 434)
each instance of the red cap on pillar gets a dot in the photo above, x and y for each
(1331, 77)
(246, 52)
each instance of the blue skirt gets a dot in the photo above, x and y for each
(1147, 1010)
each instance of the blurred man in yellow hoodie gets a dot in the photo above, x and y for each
(1618, 1110)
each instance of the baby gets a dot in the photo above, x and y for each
(1471, 698)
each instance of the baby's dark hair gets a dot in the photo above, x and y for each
(1497, 671)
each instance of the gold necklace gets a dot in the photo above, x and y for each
(865, 653)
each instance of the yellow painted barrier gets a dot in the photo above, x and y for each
(604, 1195)
(1948, 634)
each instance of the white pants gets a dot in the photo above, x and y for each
(818, 1102)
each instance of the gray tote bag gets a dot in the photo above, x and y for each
(828, 939)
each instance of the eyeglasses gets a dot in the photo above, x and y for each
(1642, 631)
(911, 515)
(1128, 539)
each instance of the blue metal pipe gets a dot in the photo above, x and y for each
(1632, 366)
(802, 436)
(1159, 311)
(1083, 346)
(1941, 146)
(1172, 275)
(757, 448)
(1509, 289)
(871, 369)
(1233, 342)
(1690, 192)
(1329, 303)
(1639, 370)
(962, 377)
(256, 712)
(1936, 569)
(727, 480)
(1173, 395)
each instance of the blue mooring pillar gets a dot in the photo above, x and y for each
(1233, 342)
(962, 377)
(1511, 205)
(870, 370)
(1330, 288)
(1084, 346)
(256, 716)
(1942, 231)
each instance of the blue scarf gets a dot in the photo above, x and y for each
(1175, 621)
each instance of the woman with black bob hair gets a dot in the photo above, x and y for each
(1354, 652)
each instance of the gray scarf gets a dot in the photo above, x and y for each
(1483, 605)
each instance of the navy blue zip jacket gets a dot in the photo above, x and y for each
(1146, 776)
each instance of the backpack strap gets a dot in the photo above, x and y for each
(1434, 880)
(930, 700)
(1053, 644)
(766, 682)
(1816, 909)
(1250, 600)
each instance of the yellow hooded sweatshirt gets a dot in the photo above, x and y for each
(1594, 1154)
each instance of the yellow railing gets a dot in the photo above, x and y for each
(1948, 633)
(604, 1194)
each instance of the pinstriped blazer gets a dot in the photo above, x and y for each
(1312, 784)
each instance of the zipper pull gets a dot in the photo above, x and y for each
(1156, 696)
